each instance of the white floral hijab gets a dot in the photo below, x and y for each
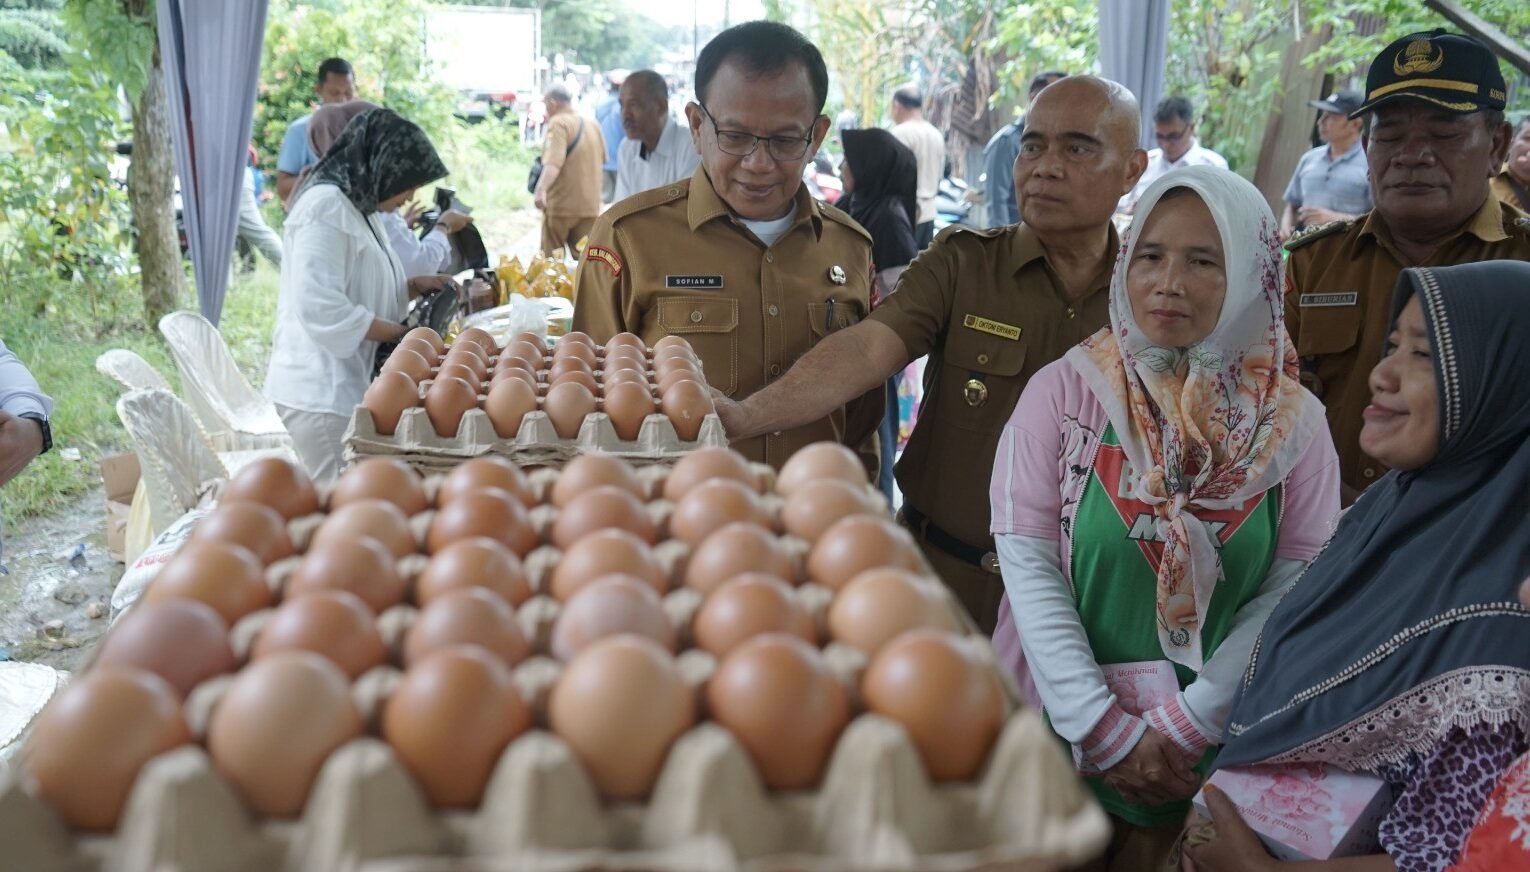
(1212, 425)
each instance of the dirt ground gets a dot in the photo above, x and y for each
(55, 600)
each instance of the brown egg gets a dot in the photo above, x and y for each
(608, 606)
(622, 358)
(514, 360)
(528, 336)
(182, 641)
(490, 512)
(483, 338)
(576, 337)
(409, 362)
(421, 347)
(950, 703)
(275, 482)
(387, 398)
(376, 519)
(705, 464)
(428, 335)
(566, 405)
(381, 478)
(817, 505)
(578, 377)
(777, 695)
(534, 353)
(746, 606)
(510, 400)
(599, 508)
(362, 566)
(626, 340)
(93, 737)
(335, 624)
(519, 374)
(472, 616)
(628, 406)
(620, 705)
(687, 404)
(565, 351)
(677, 365)
(665, 342)
(474, 562)
(879, 604)
(666, 380)
(446, 401)
(734, 550)
(449, 721)
(225, 576)
(858, 543)
(567, 364)
(615, 377)
(255, 526)
(712, 505)
(280, 719)
(455, 369)
(593, 469)
(819, 461)
(605, 552)
(487, 472)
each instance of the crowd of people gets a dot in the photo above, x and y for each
(1283, 459)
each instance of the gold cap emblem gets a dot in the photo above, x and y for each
(975, 392)
(1420, 56)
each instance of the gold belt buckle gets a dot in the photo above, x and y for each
(991, 563)
(975, 392)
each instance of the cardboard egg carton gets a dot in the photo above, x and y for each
(874, 808)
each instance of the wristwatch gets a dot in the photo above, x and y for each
(42, 421)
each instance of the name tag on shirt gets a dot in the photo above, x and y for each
(1319, 300)
(994, 328)
(693, 281)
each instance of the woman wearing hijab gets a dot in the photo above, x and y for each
(420, 256)
(1402, 652)
(1154, 494)
(343, 289)
(880, 175)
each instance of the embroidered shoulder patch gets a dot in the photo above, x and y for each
(605, 256)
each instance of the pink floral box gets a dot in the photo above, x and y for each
(1306, 811)
(1139, 686)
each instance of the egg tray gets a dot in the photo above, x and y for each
(416, 442)
(874, 808)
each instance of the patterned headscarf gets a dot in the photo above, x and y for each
(378, 156)
(329, 120)
(1408, 625)
(1229, 408)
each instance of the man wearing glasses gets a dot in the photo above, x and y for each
(739, 259)
(1174, 128)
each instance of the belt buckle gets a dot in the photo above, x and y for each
(990, 563)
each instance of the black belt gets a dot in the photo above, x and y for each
(920, 523)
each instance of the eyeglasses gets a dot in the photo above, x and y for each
(740, 144)
(1172, 137)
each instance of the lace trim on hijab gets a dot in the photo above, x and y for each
(1413, 724)
(1445, 349)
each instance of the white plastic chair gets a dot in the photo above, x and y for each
(134, 373)
(177, 463)
(234, 414)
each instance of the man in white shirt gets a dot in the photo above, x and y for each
(657, 150)
(1174, 128)
(929, 147)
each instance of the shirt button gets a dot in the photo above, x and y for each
(982, 358)
(696, 317)
(1368, 472)
(775, 369)
(673, 192)
(773, 310)
(770, 258)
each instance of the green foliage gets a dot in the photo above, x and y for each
(488, 166)
(31, 35)
(384, 41)
(1034, 37)
(61, 215)
(120, 37)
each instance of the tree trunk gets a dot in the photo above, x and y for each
(151, 188)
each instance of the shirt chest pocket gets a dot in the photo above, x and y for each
(710, 325)
(1328, 330)
(979, 382)
(826, 318)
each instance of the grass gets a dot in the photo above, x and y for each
(61, 349)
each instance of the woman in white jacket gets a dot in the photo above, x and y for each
(343, 289)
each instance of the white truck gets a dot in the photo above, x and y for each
(488, 54)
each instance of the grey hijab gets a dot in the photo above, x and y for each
(1408, 624)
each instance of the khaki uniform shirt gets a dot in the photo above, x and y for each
(1512, 191)
(575, 193)
(989, 311)
(1339, 283)
(675, 261)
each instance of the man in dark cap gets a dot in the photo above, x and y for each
(1330, 182)
(1437, 137)
(1513, 184)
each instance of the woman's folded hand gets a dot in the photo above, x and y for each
(1154, 773)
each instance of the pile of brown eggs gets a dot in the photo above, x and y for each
(624, 379)
(615, 607)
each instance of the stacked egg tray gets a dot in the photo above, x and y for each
(436, 445)
(874, 807)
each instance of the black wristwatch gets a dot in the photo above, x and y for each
(47, 431)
